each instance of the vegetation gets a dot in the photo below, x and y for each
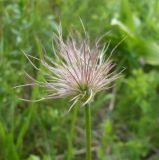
(125, 119)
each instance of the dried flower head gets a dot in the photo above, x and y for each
(77, 70)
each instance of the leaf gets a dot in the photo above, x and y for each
(126, 14)
(7, 146)
(2, 133)
(10, 148)
(123, 27)
(149, 51)
(153, 54)
(33, 157)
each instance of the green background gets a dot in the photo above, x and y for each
(125, 119)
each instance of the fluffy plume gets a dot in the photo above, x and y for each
(77, 70)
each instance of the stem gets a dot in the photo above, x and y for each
(88, 131)
(71, 135)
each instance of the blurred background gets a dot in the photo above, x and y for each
(125, 119)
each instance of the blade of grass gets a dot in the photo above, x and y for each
(32, 107)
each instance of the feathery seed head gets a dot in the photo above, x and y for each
(78, 70)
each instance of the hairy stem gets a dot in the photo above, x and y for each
(88, 131)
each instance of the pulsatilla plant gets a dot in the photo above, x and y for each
(78, 71)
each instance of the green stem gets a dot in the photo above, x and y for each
(88, 131)
(71, 135)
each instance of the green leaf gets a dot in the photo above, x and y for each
(122, 26)
(33, 157)
(126, 14)
(2, 133)
(149, 51)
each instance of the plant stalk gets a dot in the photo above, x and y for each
(88, 131)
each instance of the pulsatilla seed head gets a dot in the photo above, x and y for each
(77, 70)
